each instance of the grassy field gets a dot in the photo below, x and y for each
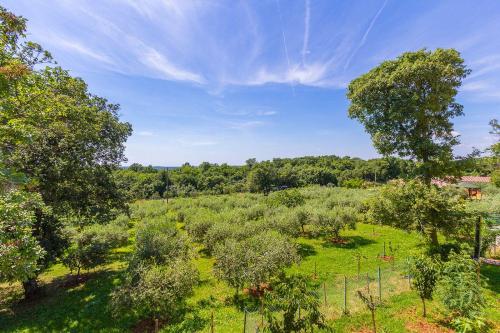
(84, 307)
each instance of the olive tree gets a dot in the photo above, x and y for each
(254, 260)
(92, 245)
(331, 222)
(407, 106)
(155, 291)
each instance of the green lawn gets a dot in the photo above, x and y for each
(84, 308)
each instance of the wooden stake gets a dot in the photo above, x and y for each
(345, 294)
(324, 291)
(157, 325)
(379, 285)
(368, 283)
(212, 328)
(245, 322)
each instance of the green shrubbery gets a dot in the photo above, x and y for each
(92, 244)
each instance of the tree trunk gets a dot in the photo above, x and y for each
(477, 239)
(425, 310)
(373, 321)
(434, 237)
(31, 288)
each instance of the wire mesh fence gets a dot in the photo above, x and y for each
(339, 294)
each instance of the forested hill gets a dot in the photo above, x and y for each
(139, 181)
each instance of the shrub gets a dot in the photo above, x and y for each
(425, 273)
(293, 305)
(461, 289)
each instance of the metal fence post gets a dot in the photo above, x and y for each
(379, 284)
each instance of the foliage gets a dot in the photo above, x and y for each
(288, 198)
(353, 183)
(331, 222)
(495, 177)
(157, 291)
(146, 182)
(231, 263)
(65, 140)
(407, 104)
(261, 178)
(20, 252)
(92, 244)
(425, 273)
(413, 205)
(254, 260)
(293, 305)
(461, 290)
(158, 242)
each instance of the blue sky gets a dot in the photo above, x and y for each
(223, 81)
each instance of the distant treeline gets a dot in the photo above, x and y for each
(146, 182)
(140, 182)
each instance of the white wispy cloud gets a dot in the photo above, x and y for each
(365, 35)
(73, 46)
(145, 133)
(307, 19)
(246, 124)
(155, 60)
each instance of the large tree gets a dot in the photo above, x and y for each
(64, 139)
(415, 206)
(407, 105)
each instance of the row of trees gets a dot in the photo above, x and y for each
(59, 146)
(139, 181)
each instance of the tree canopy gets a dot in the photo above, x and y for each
(407, 105)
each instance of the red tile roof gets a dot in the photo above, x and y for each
(464, 179)
(476, 179)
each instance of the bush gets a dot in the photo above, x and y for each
(461, 289)
(289, 297)
(425, 273)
